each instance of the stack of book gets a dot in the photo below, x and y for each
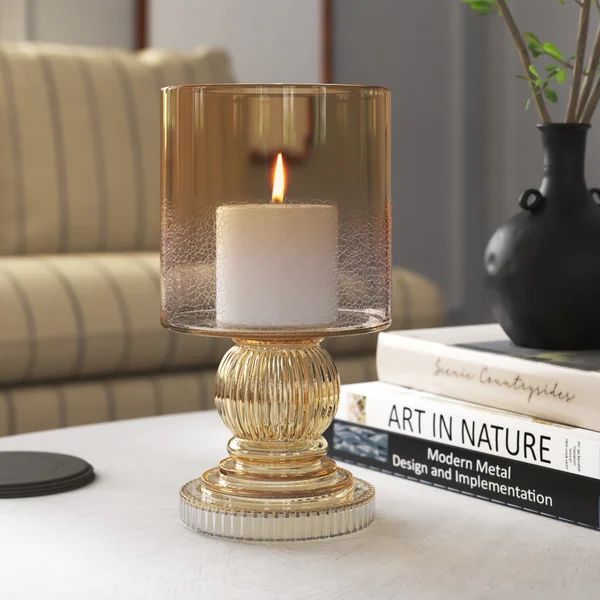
(464, 409)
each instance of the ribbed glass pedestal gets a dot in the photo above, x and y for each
(349, 515)
(277, 397)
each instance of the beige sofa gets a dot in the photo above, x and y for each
(80, 339)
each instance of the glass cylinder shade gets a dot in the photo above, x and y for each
(275, 210)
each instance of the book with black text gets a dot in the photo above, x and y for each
(479, 364)
(434, 440)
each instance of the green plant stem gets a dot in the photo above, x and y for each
(584, 20)
(590, 76)
(525, 59)
(564, 63)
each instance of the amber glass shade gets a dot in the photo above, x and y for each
(276, 232)
(319, 262)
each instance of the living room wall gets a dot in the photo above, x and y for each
(269, 40)
(83, 22)
(464, 148)
(420, 58)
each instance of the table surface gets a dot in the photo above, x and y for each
(121, 538)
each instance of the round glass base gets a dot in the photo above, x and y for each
(336, 517)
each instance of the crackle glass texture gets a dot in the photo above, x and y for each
(219, 144)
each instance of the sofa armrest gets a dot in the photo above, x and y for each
(416, 303)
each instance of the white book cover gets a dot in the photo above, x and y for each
(463, 425)
(479, 364)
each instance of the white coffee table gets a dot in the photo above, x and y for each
(120, 537)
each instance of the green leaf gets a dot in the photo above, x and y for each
(537, 47)
(552, 51)
(557, 72)
(482, 7)
(551, 95)
(534, 72)
(532, 38)
(535, 50)
(534, 44)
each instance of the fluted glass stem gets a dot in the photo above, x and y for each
(277, 398)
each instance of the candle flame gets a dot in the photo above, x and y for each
(278, 181)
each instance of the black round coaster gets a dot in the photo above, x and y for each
(39, 473)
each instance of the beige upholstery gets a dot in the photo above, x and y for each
(416, 302)
(80, 338)
(47, 406)
(81, 341)
(80, 161)
(82, 315)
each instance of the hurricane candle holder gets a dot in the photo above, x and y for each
(276, 233)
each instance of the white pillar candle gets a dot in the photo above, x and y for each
(276, 265)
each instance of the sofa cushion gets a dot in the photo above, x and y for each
(62, 404)
(73, 316)
(80, 144)
(97, 314)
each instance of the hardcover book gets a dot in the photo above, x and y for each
(493, 455)
(479, 364)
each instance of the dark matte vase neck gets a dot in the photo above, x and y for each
(564, 148)
(564, 162)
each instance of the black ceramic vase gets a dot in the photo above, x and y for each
(543, 266)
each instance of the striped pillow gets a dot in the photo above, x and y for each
(80, 144)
